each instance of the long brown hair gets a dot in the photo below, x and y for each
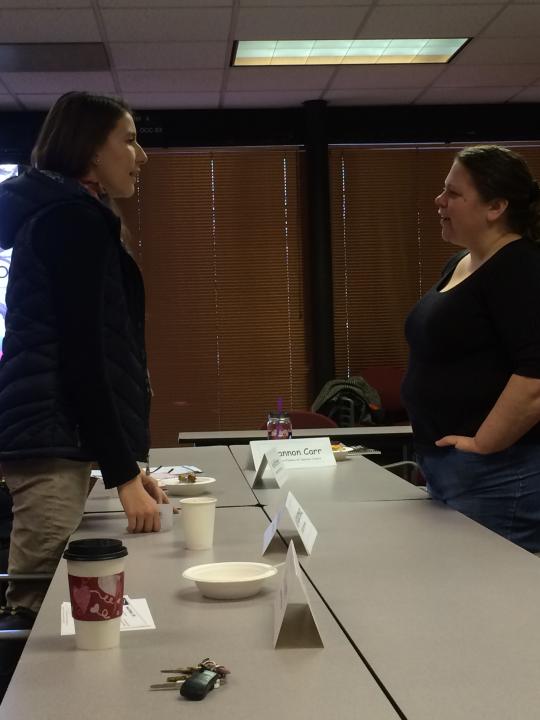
(75, 127)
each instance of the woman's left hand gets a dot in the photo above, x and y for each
(460, 442)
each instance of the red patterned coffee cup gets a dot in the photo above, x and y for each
(96, 589)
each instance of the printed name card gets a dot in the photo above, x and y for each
(307, 532)
(295, 453)
(271, 530)
(272, 460)
(294, 622)
(304, 527)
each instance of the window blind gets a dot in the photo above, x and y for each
(387, 248)
(219, 241)
(375, 254)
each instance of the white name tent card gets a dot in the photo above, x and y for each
(296, 453)
(272, 529)
(271, 459)
(294, 622)
(307, 532)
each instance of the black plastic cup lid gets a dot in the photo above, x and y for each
(93, 549)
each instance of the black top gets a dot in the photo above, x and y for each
(465, 344)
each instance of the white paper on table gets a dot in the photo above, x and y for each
(176, 469)
(163, 469)
(135, 616)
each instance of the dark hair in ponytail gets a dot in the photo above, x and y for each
(498, 172)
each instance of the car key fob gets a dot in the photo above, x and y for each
(198, 685)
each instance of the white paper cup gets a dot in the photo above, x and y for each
(96, 587)
(165, 516)
(198, 515)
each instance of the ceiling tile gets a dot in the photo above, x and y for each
(48, 26)
(530, 94)
(172, 101)
(164, 3)
(53, 57)
(277, 78)
(39, 101)
(488, 75)
(100, 82)
(294, 23)
(38, 4)
(414, 3)
(168, 56)
(330, 4)
(491, 51)
(428, 21)
(466, 96)
(516, 21)
(385, 76)
(372, 96)
(166, 81)
(282, 98)
(7, 102)
(167, 25)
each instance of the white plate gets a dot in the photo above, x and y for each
(229, 580)
(187, 489)
(342, 453)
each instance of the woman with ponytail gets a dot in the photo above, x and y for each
(472, 388)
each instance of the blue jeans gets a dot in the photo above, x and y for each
(500, 491)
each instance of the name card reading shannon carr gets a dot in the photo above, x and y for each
(295, 454)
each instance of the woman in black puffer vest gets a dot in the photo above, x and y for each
(73, 378)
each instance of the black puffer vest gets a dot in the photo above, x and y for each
(36, 418)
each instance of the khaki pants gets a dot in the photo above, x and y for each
(48, 502)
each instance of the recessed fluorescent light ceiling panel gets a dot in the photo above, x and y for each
(345, 52)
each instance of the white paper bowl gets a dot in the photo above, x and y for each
(229, 580)
(342, 453)
(188, 489)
